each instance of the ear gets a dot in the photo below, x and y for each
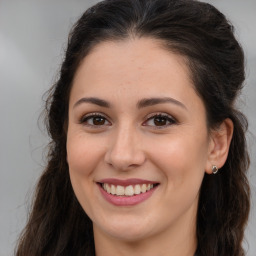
(219, 143)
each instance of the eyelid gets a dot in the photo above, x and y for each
(169, 118)
(161, 114)
(93, 114)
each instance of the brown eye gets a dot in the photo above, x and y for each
(98, 120)
(160, 120)
(94, 120)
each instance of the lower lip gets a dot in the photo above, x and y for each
(126, 200)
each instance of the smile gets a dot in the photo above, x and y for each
(130, 190)
(126, 192)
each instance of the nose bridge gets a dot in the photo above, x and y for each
(125, 148)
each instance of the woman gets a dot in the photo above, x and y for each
(148, 153)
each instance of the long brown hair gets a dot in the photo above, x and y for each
(57, 224)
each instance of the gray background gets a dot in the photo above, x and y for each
(33, 35)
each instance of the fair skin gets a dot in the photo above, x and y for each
(166, 142)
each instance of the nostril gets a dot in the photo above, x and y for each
(124, 156)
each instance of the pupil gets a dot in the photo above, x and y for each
(98, 121)
(160, 121)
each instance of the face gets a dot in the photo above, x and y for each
(137, 141)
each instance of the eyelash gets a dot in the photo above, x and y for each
(167, 118)
(164, 116)
(87, 117)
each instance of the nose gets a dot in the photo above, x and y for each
(125, 149)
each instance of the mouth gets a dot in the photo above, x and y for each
(126, 192)
(130, 190)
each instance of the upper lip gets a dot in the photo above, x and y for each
(126, 182)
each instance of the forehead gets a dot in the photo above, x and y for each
(143, 53)
(133, 68)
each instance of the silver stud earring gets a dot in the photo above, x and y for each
(214, 169)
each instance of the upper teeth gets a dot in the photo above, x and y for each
(128, 190)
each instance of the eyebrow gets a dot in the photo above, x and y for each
(93, 100)
(141, 103)
(154, 101)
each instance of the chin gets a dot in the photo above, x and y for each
(127, 231)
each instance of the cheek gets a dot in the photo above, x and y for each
(83, 154)
(83, 157)
(182, 158)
